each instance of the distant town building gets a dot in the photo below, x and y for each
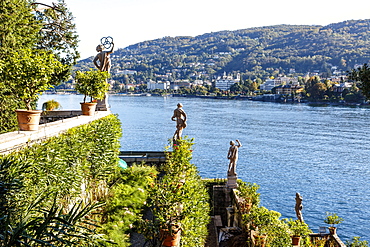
(225, 82)
(339, 88)
(198, 82)
(125, 72)
(129, 86)
(269, 84)
(158, 85)
(288, 89)
(181, 84)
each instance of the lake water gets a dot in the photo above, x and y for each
(320, 152)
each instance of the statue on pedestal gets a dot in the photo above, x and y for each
(179, 116)
(103, 63)
(298, 206)
(233, 157)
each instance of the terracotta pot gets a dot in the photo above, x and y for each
(28, 120)
(332, 230)
(296, 240)
(260, 240)
(170, 239)
(245, 207)
(88, 109)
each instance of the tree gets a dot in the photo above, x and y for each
(318, 90)
(28, 73)
(18, 26)
(57, 34)
(236, 87)
(18, 30)
(25, 26)
(362, 74)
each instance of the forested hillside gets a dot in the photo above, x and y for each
(253, 52)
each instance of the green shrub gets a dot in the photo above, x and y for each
(126, 202)
(179, 196)
(76, 167)
(356, 242)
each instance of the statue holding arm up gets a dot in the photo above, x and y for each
(103, 56)
(102, 63)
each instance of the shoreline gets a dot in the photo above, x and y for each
(261, 98)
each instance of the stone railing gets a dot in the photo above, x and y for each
(15, 140)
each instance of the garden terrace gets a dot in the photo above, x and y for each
(16, 140)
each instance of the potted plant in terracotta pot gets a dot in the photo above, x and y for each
(28, 73)
(332, 219)
(92, 83)
(297, 229)
(171, 234)
(261, 221)
(248, 194)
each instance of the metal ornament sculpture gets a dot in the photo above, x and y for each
(106, 42)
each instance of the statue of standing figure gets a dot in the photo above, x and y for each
(179, 116)
(103, 57)
(233, 157)
(103, 63)
(298, 206)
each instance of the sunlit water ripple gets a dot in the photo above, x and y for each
(320, 152)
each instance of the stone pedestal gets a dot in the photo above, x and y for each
(231, 182)
(103, 104)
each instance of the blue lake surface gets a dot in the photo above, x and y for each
(320, 152)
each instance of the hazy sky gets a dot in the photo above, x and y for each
(133, 21)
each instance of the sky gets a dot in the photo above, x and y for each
(133, 21)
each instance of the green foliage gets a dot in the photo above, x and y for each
(125, 204)
(279, 232)
(298, 228)
(362, 74)
(8, 104)
(332, 219)
(37, 226)
(18, 27)
(23, 28)
(254, 52)
(76, 166)
(58, 33)
(248, 191)
(28, 73)
(261, 219)
(356, 242)
(179, 196)
(92, 83)
(51, 105)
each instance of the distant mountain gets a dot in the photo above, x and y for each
(253, 52)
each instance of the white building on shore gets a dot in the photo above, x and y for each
(226, 81)
(158, 85)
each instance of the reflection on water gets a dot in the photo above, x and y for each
(320, 152)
